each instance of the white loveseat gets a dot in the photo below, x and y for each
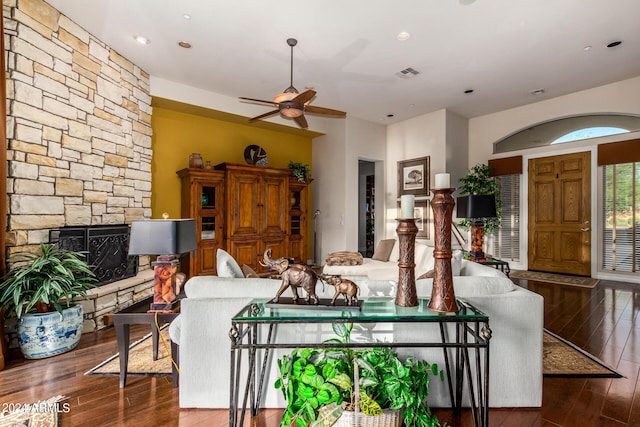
(515, 316)
(377, 269)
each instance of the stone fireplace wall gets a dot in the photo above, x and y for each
(78, 135)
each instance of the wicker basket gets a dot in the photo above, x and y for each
(389, 417)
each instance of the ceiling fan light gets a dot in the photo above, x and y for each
(283, 97)
(291, 112)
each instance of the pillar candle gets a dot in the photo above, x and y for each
(407, 204)
(443, 180)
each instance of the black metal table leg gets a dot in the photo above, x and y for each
(457, 409)
(234, 376)
(122, 336)
(447, 365)
(154, 341)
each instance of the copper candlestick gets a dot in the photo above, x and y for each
(407, 295)
(443, 298)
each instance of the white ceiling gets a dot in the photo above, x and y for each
(348, 52)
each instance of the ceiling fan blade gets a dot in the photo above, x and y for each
(305, 96)
(262, 116)
(258, 100)
(302, 122)
(326, 111)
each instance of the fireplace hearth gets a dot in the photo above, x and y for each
(106, 248)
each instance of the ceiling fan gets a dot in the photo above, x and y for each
(293, 104)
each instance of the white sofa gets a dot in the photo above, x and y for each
(515, 316)
(384, 270)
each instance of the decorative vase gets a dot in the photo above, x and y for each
(208, 166)
(43, 335)
(443, 298)
(195, 161)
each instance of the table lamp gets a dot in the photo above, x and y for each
(476, 207)
(165, 238)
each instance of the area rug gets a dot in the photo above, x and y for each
(560, 279)
(140, 359)
(564, 359)
(45, 413)
(561, 359)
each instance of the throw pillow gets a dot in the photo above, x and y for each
(383, 250)
(428, 275)
(423, 258)
(227, 266)
(395, 252)
(249, 272)
(456, 262)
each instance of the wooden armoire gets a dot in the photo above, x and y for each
(203, 199)
(250, 208)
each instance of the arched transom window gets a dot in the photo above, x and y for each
(568, 129)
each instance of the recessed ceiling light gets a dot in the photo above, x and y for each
(586, 48)
(615, 43)
(186, 16)
(537, 92)
(184, 44)
(390, 115)
(403, 35)
(142, 40)
(468, 91)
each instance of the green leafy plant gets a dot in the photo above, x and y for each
(480, 182)
(313, 378)
(300, 171)
(314, 381)
(394, 384)
(46, 281)
(308, 379)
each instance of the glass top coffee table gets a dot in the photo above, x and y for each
(254, 329)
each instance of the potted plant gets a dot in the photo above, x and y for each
(480, 182)
(300, 171)
(323, 386)
(41, 290)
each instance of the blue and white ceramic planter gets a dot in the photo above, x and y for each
(46, 334)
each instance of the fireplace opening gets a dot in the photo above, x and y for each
(105, 246)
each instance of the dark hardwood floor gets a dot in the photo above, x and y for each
(603, 321)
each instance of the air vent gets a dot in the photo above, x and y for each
(407, 73)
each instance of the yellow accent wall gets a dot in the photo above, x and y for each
(177, 134)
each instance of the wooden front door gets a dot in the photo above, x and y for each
(560, 214)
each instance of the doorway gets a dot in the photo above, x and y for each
(560, 213)
(366, 207)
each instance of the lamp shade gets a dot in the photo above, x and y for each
(476, 206)
(162, 237)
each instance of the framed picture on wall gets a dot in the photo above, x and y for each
(421, 212)
(413, 177)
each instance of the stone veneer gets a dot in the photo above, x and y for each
(78, 138)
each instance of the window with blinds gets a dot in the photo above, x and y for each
(507, 236)
(621, 216)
